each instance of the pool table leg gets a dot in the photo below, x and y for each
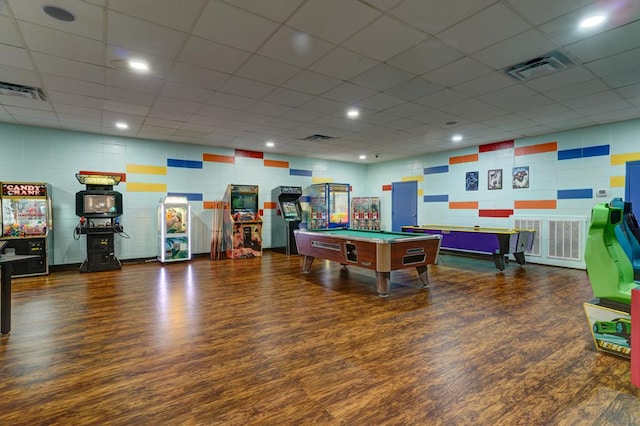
(519, 256)
(382, 283)
(423, 275)
(308, 261)
(498, 259)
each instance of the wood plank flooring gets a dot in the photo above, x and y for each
(257, 342)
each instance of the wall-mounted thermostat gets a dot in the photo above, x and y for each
(602, 192)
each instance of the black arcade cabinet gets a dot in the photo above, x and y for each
(288, 201)
(99, 208)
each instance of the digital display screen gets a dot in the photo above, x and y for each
(290, 210)
(99, 203)
(244, 203)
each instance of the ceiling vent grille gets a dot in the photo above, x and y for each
(34, 93)
(547, 64)
(317, 137)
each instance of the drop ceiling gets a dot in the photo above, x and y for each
(238, 73)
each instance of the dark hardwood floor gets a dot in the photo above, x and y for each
(256, 342)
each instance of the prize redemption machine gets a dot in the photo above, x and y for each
(99, 208)
(288, 200)
(242, 226)
(174, 229)
(327, 206)
(27, 224)
(365, 213)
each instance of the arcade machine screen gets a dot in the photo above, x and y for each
(290, 210)
(99, 203)
(242, 203)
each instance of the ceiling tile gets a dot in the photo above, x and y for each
(616, 63)
(457, 72)
(332, 20)
(485, 84)
(177, 14)
(287, 97)
(606, 44)
(382, 77)
(541, 11)
(576, 90)
(384, 38)
(15, 57)
(343, 64)
(294, 47)
(139, 35)
(480, 31)
(69, 85)
(277, 10)
(519, 48)
(413, 89)
(185, 92)
(209, 54)
(349, 93)
(434, 16)
(231, 101)
(66, 45)
(55, 65)
(441, 98)
(220, 22)
(247, 88)
(9, 33)
(312, 83)
(89, 18)
(425, 56)
(197, 76)
(267, 70)
(133, 81)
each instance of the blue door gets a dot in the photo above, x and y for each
(404, 205)
(632, 186)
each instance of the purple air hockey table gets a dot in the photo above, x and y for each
(496, 242)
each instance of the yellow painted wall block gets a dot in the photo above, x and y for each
(419, 178)
(321, 180)
(146, 170)
(617, 181)
(618, 159)
(146, 187)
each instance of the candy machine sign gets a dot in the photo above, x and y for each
(24, 190)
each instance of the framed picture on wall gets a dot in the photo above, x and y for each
(520, 177)
(494, 179)
(471, 182)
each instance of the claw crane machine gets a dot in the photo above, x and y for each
(326, 205)
(27, 225)
(174, 229)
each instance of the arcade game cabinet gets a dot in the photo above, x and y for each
(27, 225)
(174, 229)
(99, 208)
(325, 205)
(242, 224)
(288, 200)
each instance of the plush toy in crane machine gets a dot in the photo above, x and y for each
(339, 217)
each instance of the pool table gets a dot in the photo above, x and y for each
(380, 251)
(497, 242)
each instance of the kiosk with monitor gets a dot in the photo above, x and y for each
(288, 200)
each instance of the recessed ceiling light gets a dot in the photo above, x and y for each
(456, 138)
(138, 65)
(592, 21)
(59, 13)
(270, 144)
(363, 157)
(122, 125)
(353, 113)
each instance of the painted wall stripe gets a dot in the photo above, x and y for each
(218, 204)
(617, 181)
(191, 196)
(321, 180)
(619, 159)
(275, 163)
(463, 159)
(215, 158)
(568, 194)
(123, 176)
(436, 169)
(417, 178)
(387, 187)
(536, 149)
(172, 162)
(591, 151)
(496, 146)
(463, 205)
(146, 170)
(249, 154)
(420, 192)
(304, 198)
(495, 213)
(146, 187)
(535, 204)
(269, 205)
(436, 198)
(298, 172)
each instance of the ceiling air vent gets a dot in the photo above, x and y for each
(317, 137)
(10, 89)
(549, 63)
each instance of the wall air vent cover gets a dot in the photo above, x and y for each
(549, 63)
(10, 89)
(317, 137)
